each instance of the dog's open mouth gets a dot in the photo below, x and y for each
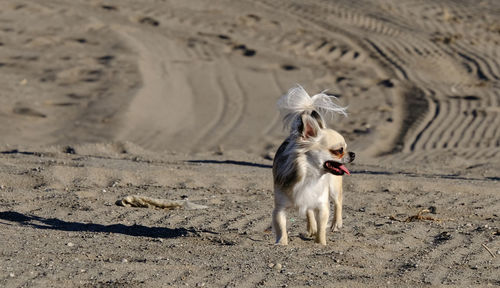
(336, 168)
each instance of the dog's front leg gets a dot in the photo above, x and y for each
(279, 226)
(322, 218)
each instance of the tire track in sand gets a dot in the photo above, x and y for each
(148, 124)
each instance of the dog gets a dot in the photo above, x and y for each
(309, 164)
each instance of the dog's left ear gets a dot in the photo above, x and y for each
(309, 127)
(318, 119)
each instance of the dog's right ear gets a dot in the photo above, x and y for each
(309, 127)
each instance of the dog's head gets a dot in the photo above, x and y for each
(325, 149)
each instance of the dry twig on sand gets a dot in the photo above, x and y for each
(420, 217)
(148, 202)
(488, 249)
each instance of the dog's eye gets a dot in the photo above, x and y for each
(337, 152)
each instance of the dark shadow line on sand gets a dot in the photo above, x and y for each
(15, 151)
(61, 225)
(231, 162)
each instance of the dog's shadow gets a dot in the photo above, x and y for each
(61, 225)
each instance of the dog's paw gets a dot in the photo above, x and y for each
(336, 226)
(306, 236)
(320, 240)
(311, 233)
(281, 241)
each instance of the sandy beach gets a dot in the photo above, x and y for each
(176, 100)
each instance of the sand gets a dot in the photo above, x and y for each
(175, 100)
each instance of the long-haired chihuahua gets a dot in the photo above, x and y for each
(309, 164)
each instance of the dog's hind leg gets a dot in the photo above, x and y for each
(322, 218)
(336, 194)
(279, 226)
(312, 227)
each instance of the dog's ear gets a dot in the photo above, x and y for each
(318, 119)
(309, 127)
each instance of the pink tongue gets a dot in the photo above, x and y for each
(343, 168)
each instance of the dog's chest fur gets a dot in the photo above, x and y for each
(311, 193)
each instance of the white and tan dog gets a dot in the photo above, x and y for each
(309, 165)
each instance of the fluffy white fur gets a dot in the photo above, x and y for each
(297, 102)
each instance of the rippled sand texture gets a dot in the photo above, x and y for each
(422, 77)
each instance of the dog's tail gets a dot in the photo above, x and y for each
(297, 102)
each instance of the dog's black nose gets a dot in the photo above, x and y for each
(352, 155)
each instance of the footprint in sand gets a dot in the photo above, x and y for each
(26, 111)
(289, 67)
(77, 96)
(92, 75)
(109, 7)
(105, 60)
(246, 51)
(386, 83)
(149, 21)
